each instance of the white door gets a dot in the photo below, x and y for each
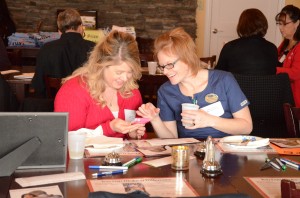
(222, 18)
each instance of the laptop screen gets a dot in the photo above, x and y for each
(48, 130)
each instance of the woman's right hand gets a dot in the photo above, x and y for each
(148, 111)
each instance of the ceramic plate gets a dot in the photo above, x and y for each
(244, 141)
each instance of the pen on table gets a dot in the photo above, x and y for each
(95, 175)
(265, 166)
(290, 163)
(273, 164)
(132, 162)
(283, 167)
(109, 167)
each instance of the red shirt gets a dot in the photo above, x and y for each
(74, 98)
(291, 66)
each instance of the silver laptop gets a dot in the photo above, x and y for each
(32, 140)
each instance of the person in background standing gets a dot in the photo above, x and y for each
(61, 57)
(251, 54)
(104, 92)
(289, 50)
(7, 25)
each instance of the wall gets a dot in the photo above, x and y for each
(200, 20)
(293, 2)
(149, 17)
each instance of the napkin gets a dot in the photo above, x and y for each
(96, 139)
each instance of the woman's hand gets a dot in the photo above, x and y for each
(138, 133)
(148, 111)
(124, 127)
(197, 119)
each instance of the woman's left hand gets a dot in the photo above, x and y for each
(197, 119)
(138, 133)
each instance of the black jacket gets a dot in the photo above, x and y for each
(60, 58)
(249, 56)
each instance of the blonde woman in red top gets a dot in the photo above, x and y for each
(104, 91)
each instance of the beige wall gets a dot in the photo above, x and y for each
(200, 19)
(294, 2)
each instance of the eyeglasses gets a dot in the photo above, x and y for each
(284, 24)
(167, 66)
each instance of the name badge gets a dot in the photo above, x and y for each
(215, 109)
(211, 98)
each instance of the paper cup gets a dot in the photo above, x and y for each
(76, 143)
(152, 66)
(188, 106)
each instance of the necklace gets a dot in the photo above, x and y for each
(109, 100)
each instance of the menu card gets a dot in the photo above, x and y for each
(152, 186)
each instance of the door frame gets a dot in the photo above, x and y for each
(207, 26)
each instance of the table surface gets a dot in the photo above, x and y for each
(235, 167)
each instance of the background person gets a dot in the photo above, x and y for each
(104, 91)
(5, 63)
(61, 57)
(189, 82)
(289, 49)
(251, 54)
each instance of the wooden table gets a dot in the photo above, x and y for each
(20, 86)
(28, 54)
(235, 167)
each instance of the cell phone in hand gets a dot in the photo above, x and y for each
(140, 121)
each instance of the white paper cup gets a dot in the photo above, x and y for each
(76, 143)
(188, 106)
(152, 66)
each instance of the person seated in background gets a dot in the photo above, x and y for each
(5, 63)
(189, 82)
(61, 57)
(288, 52)
(251, 54)
(8, 100)
(105, 91)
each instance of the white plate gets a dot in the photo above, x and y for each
(236, 141)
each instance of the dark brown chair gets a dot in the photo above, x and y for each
(288, 189)
(149, 85)
(210, 61)
(52, 86)
(144, 58)
(145, 45)
(267, 94)
(292, 120)
(15, 57)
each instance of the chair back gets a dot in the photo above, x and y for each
(52, 86)
(211, 61)
(292, 119)
(145, 45)
(144, 58)
(15, 57)
(149, 85)
(288, 189)
(267, 94)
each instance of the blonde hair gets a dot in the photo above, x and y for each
(116, 48)
(180, 43)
